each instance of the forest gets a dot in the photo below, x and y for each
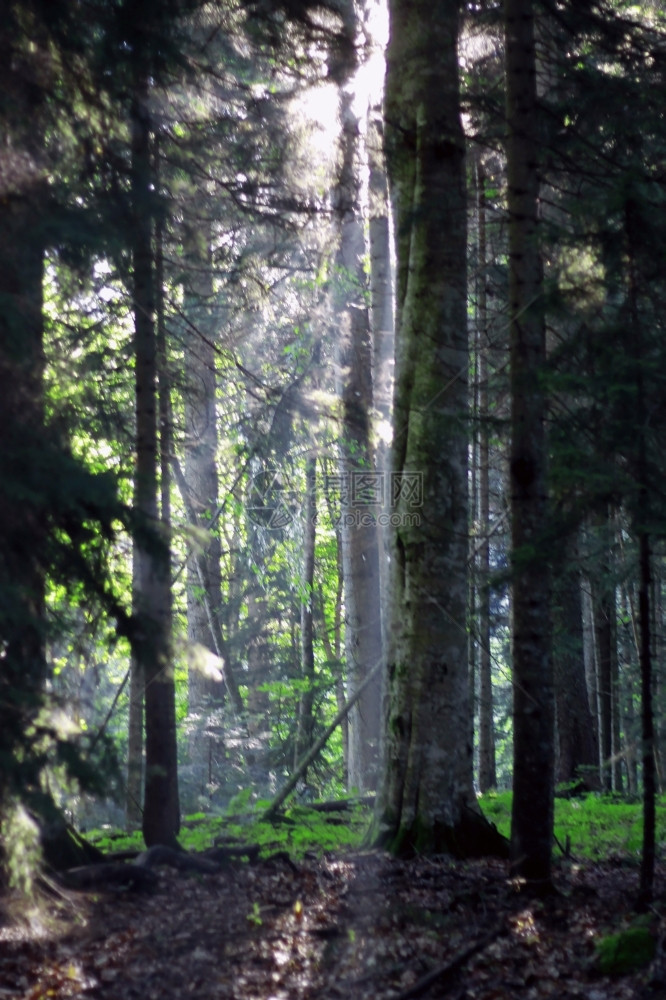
(332, 511)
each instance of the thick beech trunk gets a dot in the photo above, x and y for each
(427, 800)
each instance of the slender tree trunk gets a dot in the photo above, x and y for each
(161, 809)
(659, 686)
(577, 759)
(616, 719)
(333, 651)
(532, 811)
(487, 771)
(362, 486)
(647, 719)
(604, 629)
(134, 791)
(382, 324)
(590, 661)
(258, 666)
(641, 519)
(630, 648)
(204, 583)
(304, 737)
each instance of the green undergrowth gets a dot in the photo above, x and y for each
(627, 950)
(592, 826)
(300, 830)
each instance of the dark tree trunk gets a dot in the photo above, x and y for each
(487, 772)
(647, 720)
(532, 812)
(642, 516)
(577, 759)
(24, 484)
(161, 817)
(604, 630)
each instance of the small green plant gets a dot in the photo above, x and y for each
(626, 951)
(254, 916)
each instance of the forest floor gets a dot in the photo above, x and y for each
(362, 926)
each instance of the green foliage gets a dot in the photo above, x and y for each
(298, 832)
(109, 840)
(595, 826)
(21, 854)
(626, 951)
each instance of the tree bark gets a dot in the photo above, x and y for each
(305, 731)
(629, 645)
(427, 793)
(577, 757)
(533, 701)
(382, 325)
(161, 818)
(604, 629)
(204, 583)
(361, 485)
(134, 790)
(487, 772)
(23, 489)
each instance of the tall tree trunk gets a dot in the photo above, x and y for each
(204, 583)
(304, 738)
(258, 664)
(362, 486)
(532, 811)
(24, 477)
(332, 641)
(161, 819)
(134, 790)
(641, 519)
(616, 719)
(605, 640)
(577, 758)
(647, 717)
(23, 486)
(382, 324)
(427, 800)
(487, 771)
(657, 603)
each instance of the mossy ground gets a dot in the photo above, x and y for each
(594, 826)
(300, 830)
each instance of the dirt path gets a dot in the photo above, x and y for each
(362, 926)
